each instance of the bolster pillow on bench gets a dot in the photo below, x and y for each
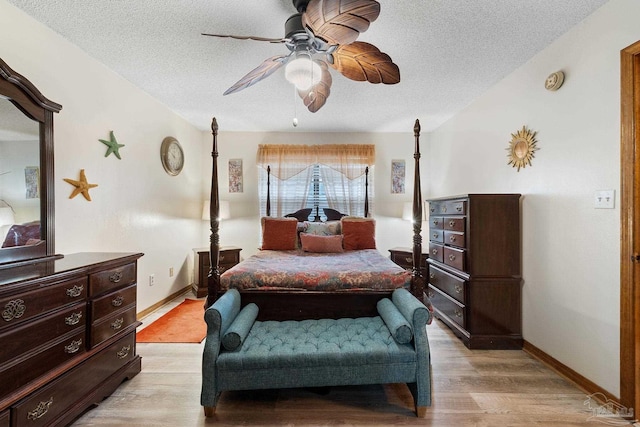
(240, 327)
(398, 325)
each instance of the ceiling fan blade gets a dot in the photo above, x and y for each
(362, 61)
(264, 70)
(315, 97)
(340, 21)
(260, 39)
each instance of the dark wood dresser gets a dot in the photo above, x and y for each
(67, 336)
(228, 257)
(475, 282)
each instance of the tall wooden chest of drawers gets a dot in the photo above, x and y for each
(475, 268)
(67, 336)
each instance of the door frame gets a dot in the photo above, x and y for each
(630, 226)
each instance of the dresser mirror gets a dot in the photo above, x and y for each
(27, 217)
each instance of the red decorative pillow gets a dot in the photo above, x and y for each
(324, 244)
(279, 234)
(358, 233)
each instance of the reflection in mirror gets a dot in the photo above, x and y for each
(19, 178)
(26, 179)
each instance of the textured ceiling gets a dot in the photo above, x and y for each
(449, 52)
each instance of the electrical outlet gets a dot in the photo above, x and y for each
(170, 271)
(152, 280)
(604, 199)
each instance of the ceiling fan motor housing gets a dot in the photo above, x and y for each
(293, 26)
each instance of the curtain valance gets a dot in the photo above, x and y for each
(288, 160)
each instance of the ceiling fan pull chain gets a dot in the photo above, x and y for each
(295, 108)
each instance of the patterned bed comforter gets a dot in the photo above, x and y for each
(296, 270)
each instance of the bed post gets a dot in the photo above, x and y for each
(417, 280)
(213, 284)
(268, 190)
(366, 192)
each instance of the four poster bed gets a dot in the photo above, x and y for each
(288, 283)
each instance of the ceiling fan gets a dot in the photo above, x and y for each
(323, 34)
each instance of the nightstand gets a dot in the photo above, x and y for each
(229, 256)
(404, 258)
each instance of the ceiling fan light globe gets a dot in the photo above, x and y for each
(303, 72)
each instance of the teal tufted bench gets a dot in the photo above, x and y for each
(316, 353)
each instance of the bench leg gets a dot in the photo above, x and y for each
(421, 411)
(209, 411)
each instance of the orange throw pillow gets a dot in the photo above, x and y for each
(321, 244)
(358, 233)
(279, 234)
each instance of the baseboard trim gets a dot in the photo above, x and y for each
(583, 383)
(160, 303)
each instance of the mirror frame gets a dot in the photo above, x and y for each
(28, 99)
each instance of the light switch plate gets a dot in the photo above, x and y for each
(604, 199)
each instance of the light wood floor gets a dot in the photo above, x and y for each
(470, 388)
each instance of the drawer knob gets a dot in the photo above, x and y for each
(458, 312)
(115, 277)
(432, 276)
(452, 239)
(117, 324)
(408, 259)
(444, 209)
(40, 410)
(117, 302)
(73, 347)
(458, 289)
(430, 294)
(76, 291)
(13, 310)
(452, 223)
(434, 251)
(435, 235)
(459, 208)
(74, 319)
(221, 257)
(452, 257)
(124, 352)
(435, 222)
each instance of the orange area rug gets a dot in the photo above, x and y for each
(182, 324)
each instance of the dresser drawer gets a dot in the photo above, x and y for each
(25, 338)
(435, 208)
(454, 238)
(112, 279)
(403, 259)
(42, 407)
(110, 303)
(456, 207)
(436, 223)
(25, 306)
(454, 257)
(454, 223)
(4, 419)
(111, 325)
(453, 286)
(447, 306)
(21, 372)
(436, 251)
(436, 235)
(228, 257)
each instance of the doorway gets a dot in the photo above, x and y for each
(630, 227)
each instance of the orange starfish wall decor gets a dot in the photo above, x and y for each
(82, 186)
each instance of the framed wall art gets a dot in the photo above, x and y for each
(397, 176)
(235, 176)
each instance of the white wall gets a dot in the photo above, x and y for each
(243, 229)
(137, 207)
(570, 250)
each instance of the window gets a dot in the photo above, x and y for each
(315, 177)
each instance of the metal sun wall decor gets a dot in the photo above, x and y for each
(521, 148)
